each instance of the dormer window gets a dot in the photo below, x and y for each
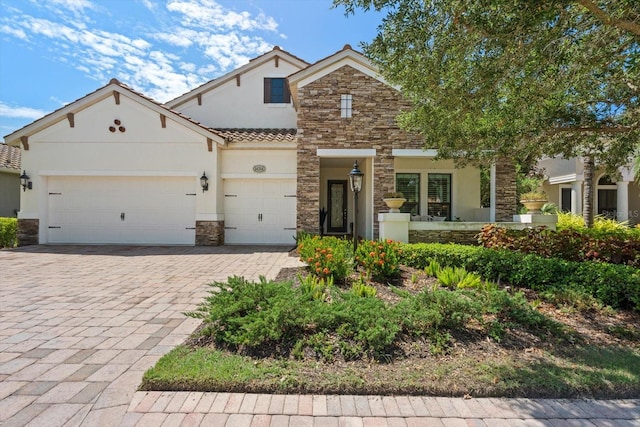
(276, 91)
(345, 105)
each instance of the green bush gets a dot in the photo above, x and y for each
(614, 285)
(354, 324)
(8, 232)
(326, 256)
(379, 259)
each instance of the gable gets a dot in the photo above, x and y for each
(347, 57)
(236, 100)
(122, 122)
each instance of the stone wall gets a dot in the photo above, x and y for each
(372, 125)
(465, 237)
(28, 232)
(209, 233)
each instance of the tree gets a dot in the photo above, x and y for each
(515, 78)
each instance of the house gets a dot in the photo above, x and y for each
(9, 180)
(248, 158)
(614, 197)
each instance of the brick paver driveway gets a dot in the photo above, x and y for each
(79, 325)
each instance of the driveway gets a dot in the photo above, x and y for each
(79, 325)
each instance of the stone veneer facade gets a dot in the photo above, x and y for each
(28, 232)
(372, 125)
(209, 233)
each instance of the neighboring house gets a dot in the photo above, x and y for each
(275, 139)
(9, 180)
(617, 197)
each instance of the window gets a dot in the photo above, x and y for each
(409, 185)
(565, 200)
(439, 195)
(276, 91)
(345, 105)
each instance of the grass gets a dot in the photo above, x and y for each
(541, 351)
(593, 372)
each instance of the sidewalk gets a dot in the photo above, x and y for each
(239, 409)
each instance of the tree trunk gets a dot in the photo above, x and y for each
(587, 209)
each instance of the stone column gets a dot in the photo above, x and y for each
(622, 203)
(506, 200)
(28, 232)
(576, 198)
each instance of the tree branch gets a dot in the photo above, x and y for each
(603, 16)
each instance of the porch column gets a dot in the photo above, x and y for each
(622, 203)
(576, 198)
(492, 193)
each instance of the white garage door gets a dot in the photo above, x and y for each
(122, 210)
(260, 211)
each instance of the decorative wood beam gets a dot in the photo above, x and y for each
(238, 80)
(209, 144)
(70, 117)
(199, 99)
(277, 60)
(163, 120)
(116, 95)
(25, 142)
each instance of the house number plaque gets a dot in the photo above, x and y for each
(259, 168)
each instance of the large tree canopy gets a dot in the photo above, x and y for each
(516, 78)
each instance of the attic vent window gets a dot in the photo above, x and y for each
(345, 105)
(276, 91)
(117, 123)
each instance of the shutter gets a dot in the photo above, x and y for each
(267, 90)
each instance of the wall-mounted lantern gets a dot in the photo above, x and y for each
(26, 181)
(204, 182)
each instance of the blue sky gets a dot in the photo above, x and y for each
(53, 52)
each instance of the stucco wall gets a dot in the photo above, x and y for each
(233, 106)
(145, 148)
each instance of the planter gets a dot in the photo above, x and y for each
(394, 204)
(533, 206)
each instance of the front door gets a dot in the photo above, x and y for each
(337, 215)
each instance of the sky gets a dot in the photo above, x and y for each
(53, 52)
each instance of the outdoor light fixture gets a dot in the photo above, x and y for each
(204, 182)
(355, 180)
(24, 178)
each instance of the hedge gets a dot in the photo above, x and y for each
(8, 232)
(614, 285)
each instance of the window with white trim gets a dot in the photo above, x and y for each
(346, 101)
(439, 195)
(409, 185)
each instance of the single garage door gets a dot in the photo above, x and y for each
(260, 211)
(122, 210)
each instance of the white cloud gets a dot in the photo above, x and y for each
(154, 63)
(17, 112)
(209, 14)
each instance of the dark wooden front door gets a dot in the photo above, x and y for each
(337, 215)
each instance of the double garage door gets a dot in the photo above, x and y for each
(260, 211)
(122, 210)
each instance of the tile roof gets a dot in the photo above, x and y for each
(258, 135)
(9, 157)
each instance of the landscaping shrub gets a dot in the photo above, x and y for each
(277, 318)
(8, 232)
(379, 259)
(615, 245)
(614, 285)
(326, 256)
